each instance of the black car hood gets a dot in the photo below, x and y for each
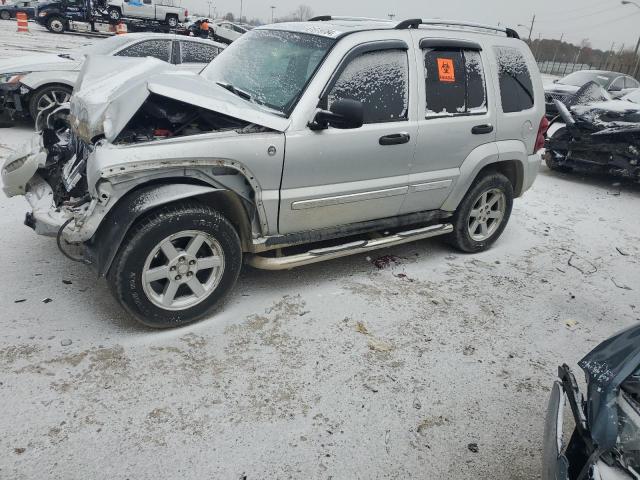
(606, 368)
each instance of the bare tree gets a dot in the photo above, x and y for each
(230, 17)
(303, 13)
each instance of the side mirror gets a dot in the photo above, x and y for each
(343, 114)
(615, 88)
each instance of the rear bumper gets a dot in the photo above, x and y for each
(531, 171)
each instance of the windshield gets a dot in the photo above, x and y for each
(633, 96)
(578, 79)
(101, 47)
(272, 67)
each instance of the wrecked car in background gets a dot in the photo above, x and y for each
(599, 135)
(605, 443)
(563, 89)
(42, 82)
(167, 181)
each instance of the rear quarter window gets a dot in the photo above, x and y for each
(516, 87)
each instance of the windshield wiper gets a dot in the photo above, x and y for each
(236, 91)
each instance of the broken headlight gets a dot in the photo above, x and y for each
(12, 77)
(629, 423)
(15, 165)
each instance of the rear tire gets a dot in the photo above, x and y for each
(172, 21)
(5, 15)
(175, 265)
(56, 25)
(483, 214)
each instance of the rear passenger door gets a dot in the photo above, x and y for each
(194, 56)
(160, 49)
(456, 117)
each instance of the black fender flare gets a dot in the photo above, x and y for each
(103, 247)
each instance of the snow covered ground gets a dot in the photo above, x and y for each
(338, 370)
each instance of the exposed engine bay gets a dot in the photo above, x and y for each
(600, 135)
(158, 118)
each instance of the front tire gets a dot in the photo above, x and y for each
(483, 214)
(5, 15)
(175, 265)
(48, 98)
(114, 14)
(552, 157)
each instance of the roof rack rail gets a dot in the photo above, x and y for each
(328, 18)
(416, 22)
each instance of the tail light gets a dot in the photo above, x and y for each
(542, 132)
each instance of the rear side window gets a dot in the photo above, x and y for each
(630, 83)
(160, 49)
(516, 88)
(455, 82)
(380, 81)
(194, 52)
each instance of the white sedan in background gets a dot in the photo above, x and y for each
(33, 83)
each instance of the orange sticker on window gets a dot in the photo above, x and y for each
(446, 72)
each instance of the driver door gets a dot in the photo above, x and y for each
(338, 177)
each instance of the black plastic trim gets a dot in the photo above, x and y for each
(449, 43)
(342, 231)
(321, 18)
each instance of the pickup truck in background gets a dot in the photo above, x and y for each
(146, 9)
(10, 10)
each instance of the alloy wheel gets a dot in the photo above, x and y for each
(183, 270)
(487, 214)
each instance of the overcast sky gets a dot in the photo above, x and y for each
(601, 21)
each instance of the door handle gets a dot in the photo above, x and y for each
(395, 139)
(482, 129)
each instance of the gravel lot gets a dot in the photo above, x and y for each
(338, 370)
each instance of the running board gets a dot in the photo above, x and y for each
(353, 248)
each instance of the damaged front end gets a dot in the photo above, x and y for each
(600, 135)
(605, 441)
(133, 140)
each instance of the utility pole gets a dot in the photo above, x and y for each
(555, 54)
(538, 47)
(606, 60)
(533, 20)
(635, 55)
(273, 9)
(240, 19)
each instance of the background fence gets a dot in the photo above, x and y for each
(564, 68)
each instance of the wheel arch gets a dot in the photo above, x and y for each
(143, 200)
(488, 158)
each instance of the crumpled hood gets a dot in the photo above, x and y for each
(108, 93)
(607, 367)
(39, 63)
(110, 90)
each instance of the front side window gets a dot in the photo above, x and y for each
(273, 67)
(160, 49)
(455, 82)
(379, 80)
(194, 52)
(516, 87)
(617, 85)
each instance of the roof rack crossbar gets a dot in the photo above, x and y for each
(328, 18)
(416, 22)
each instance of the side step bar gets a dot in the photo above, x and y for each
(353, 248)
